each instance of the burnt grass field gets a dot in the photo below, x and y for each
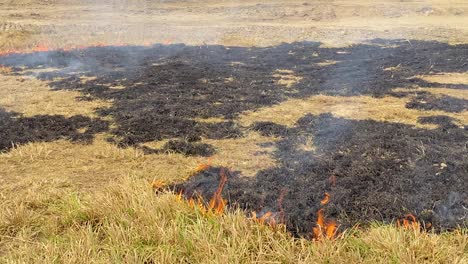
(383, 170)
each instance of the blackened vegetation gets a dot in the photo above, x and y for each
(166, 89)
(188, 148)
(445, 122)
(270, 129)
(383, 170)
(426, 101)
(15, 129)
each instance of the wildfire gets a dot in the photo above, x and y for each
(158, 184)
(43, 47)
(216, 205)
(325, 199)
(325, 228)
(203, 166)
(409, 221)
(272, 218)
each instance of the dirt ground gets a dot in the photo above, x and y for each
(287, 94)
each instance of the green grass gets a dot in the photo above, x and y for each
(128, 223)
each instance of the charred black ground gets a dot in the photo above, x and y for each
(15, 129)
(383, 170)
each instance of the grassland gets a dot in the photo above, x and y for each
(65, 202)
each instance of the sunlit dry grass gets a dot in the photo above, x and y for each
(62, 202)
(91, 166)
(390, 109)
(127, 222)
(30, 97)
(450, 78)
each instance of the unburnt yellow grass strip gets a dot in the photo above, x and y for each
(390, 109)
(127, 222)
(91, 166)
(30, 97)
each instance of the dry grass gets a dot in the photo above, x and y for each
(390, 109)
(286, 77)
(457, 93)
(127, 223)
(70, 203)
(91, 166)
(451, 78)
(30, 97)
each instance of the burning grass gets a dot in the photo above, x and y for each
(126, 222)
(54, 206)
(342, 119)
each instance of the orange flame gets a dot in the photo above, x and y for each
(267, 218)
(204, 166)
(409, 221)
(272, 218)
(217, 202)
(325, 228)
(43, 47)
(325, 199)
(216, 205)
(158, 184)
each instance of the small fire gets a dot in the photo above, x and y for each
(409, 221)
(203, 166)
(272, 218)
(43, 47)
(325, 199)
(266, 218)
(217, 203)
(280, 205)
(324, 228)
(158, 184)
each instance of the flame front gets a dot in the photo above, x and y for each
(217, 203)
(324, 228)
(43, 47)
(409, 221)
(204, 166)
